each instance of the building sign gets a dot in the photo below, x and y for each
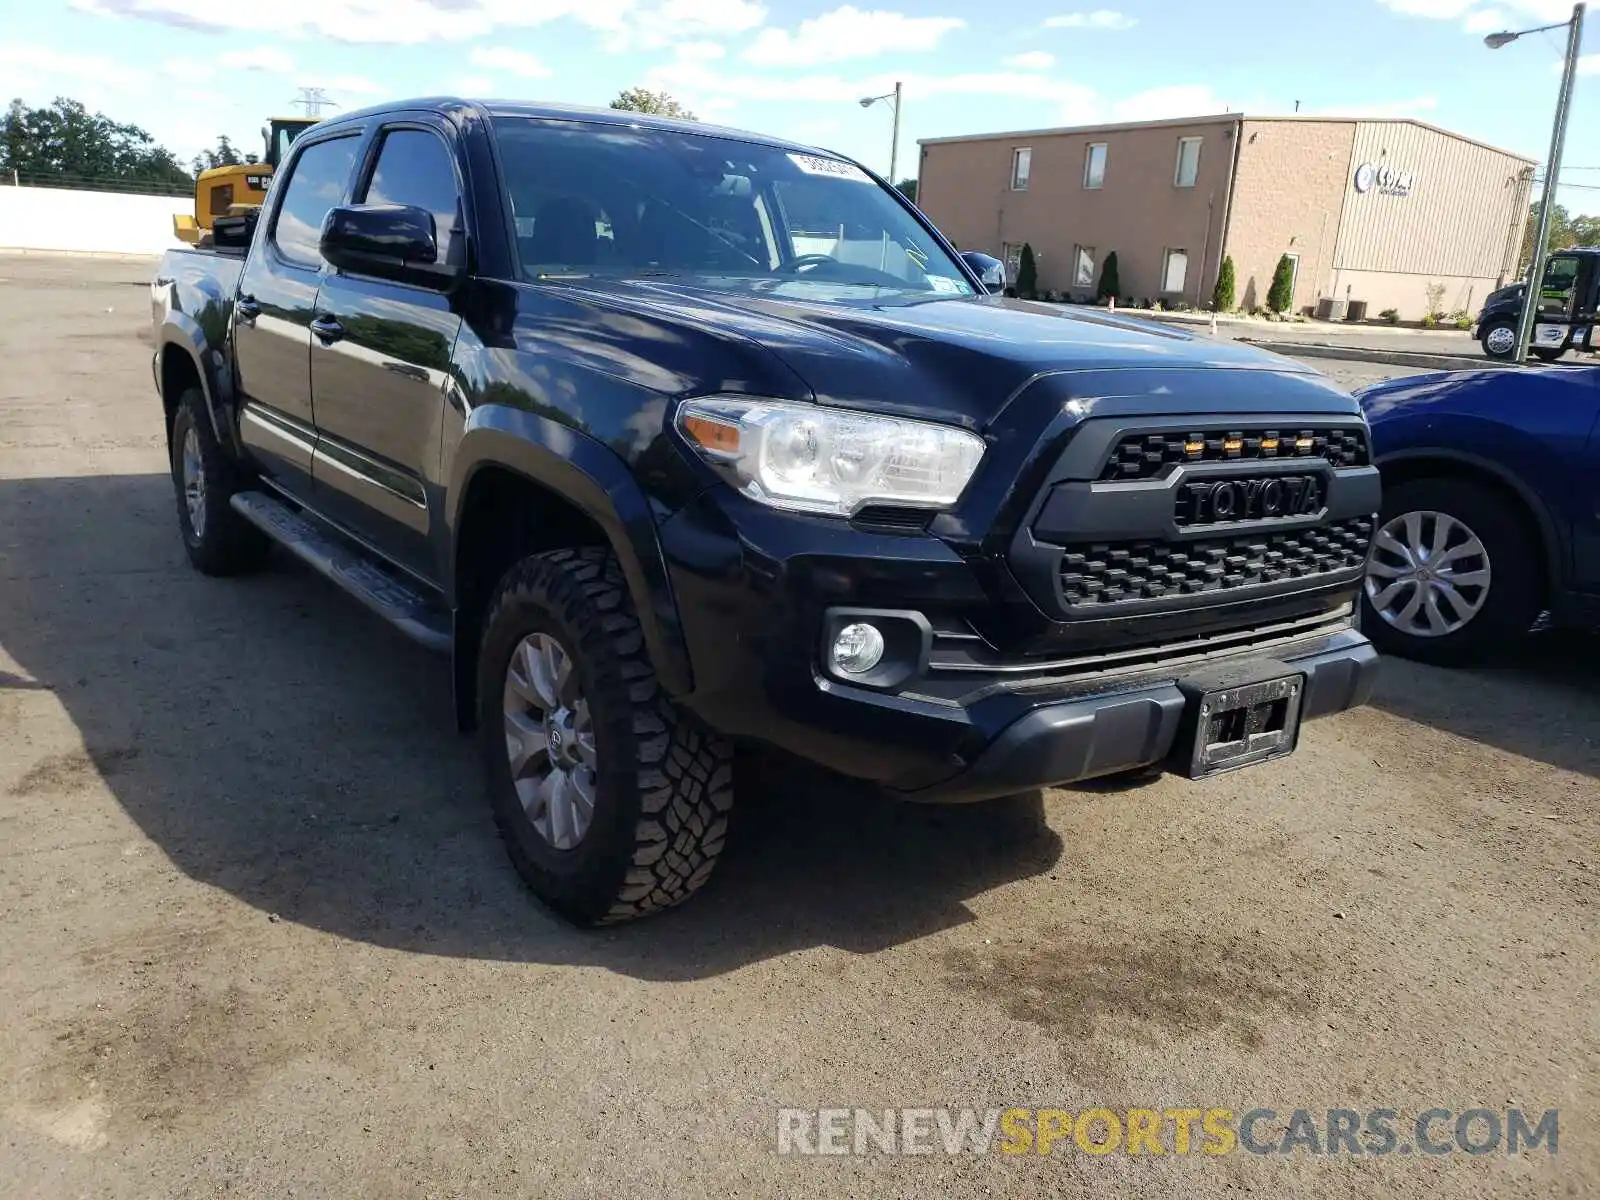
(1385, 180)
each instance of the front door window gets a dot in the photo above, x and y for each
(1560, 279)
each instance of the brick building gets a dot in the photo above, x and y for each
(1395, 213)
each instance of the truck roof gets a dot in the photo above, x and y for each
(456, 107)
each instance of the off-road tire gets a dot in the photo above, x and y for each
(663, 783)
(1516, 593)
(228, 544)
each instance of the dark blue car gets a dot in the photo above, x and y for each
(1491, 509)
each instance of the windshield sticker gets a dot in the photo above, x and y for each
(940, 284)
(813, 164)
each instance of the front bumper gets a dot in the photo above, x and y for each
(756, 591)
(1102, 735)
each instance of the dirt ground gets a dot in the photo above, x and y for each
(259, 938)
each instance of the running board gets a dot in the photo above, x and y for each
(391, 598)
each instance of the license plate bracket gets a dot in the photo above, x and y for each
(1241, 723)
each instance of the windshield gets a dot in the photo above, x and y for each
(596, 199)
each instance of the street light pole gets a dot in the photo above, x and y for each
(1552, 170)
(894, 136)
(894, 139)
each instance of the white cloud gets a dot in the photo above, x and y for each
(1589, 64)
(1100, 18)
(1032, 60)
(504, 58)
(1509, 13)
(29, 68)
(187, 69)
(404, 22)
(262, 58)
(848, 32)
(1487, 20)
(1156, 104)
(699, 51)
(679, 21)
(347, 85)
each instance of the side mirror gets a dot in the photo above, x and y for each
(390, 241)
(991, 272)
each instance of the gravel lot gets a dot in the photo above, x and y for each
(259, 937)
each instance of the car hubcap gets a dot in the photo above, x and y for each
(550, 741)
(1501, 340)
(1428, 574)
(194, 483)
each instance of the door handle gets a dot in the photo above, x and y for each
(247, 309)
(327, 329)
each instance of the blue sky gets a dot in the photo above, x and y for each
(188, 70)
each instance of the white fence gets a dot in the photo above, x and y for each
(98, 222)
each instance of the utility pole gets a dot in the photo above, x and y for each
(1552, 170)
(314, 100)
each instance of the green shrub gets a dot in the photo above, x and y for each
(1110, 283)
(1281, 294)
(1430, 320)
(1462, 322)
(1222, 296)
(1027, 274)
(1391, 315)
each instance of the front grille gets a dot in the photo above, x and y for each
(1143, 455)
(1115, 572)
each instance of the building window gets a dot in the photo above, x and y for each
(1094, 165)
(1021, 163)
(1174, 269)
(1083, 266)
(1011, 253)
(1188, 168)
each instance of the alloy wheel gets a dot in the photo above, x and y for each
(1502, 339)
(550, 741)
(194, 482)
(1428, 574)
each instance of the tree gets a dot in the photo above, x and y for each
(659, 104)
(223, 155)
(1281, 294)
(1222, 296)
(1565, 231)
(67, 144)
(1027, 274)
(1110, 284)
(908, 189)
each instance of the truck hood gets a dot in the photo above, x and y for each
(956, 359)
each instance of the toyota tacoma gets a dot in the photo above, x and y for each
(677, 438)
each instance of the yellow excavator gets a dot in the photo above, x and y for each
(234, 190)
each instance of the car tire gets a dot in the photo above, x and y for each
(1546, 355)
(1504, 606)
(1492, 336)
(218, 540)
(651, 788)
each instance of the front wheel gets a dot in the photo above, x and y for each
(1499, 339)
(612, 801)
(1453, 577)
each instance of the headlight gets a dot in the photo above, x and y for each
(828, 460)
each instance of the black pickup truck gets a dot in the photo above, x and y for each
(677, 438)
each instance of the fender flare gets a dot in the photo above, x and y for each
(181, 332)
(1549, 532)
(591, 476)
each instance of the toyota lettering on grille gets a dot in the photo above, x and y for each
(1216, 502)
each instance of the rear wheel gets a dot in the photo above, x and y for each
(204, 478)
(1499, 338)
(612, 801)
(1452, 577)
(1547, 354)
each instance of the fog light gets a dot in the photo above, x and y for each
(857, 649)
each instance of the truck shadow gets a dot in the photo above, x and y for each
(1542, 701)
(275, 741)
